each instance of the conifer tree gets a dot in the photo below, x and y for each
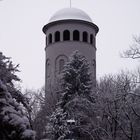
(14, 125)
(75, 100)
(9, 78)
(76, 78)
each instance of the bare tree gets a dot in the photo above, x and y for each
(119, 107)
(134, 50)
(42, 105)
(36, 99)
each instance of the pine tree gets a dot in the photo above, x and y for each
(9, 78)
(75, 104)
(76, 78)
(59, 122)
(14, 125)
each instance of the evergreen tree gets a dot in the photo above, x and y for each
(60, 128)
(75, 109)
(9, 78)
(76, 78)
(13, 123)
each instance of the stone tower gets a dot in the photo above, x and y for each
(68, 30)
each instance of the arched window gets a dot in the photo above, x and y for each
(76, 35)
(47, 68)
(61, 65)
(85, 37)
(46, 41)
(94, 67)
(57, 36)
(91, 39)
(66, 35)
(94, 40)
(50, 38)
(94, 62)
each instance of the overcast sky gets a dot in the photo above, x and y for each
(21, 35)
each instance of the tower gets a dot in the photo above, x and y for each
(68, 30)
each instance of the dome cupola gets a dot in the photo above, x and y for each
(70, 13)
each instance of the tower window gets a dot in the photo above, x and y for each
(94, 67)
(94, 40)
(66, 35)
(85, 37)
(76, 35)
(46, 41)
(91, 39)
(94, 62)
(50, 38)
(47, 68)
(61, 65)
(57, 36)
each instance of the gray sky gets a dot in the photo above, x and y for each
(21, 35)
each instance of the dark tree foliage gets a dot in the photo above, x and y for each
(14, 125)
(8, 78)
(75, 103)
(76, 78)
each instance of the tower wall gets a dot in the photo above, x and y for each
(57, 51)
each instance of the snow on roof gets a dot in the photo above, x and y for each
(70, 13)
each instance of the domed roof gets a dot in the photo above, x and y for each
(70, 13)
